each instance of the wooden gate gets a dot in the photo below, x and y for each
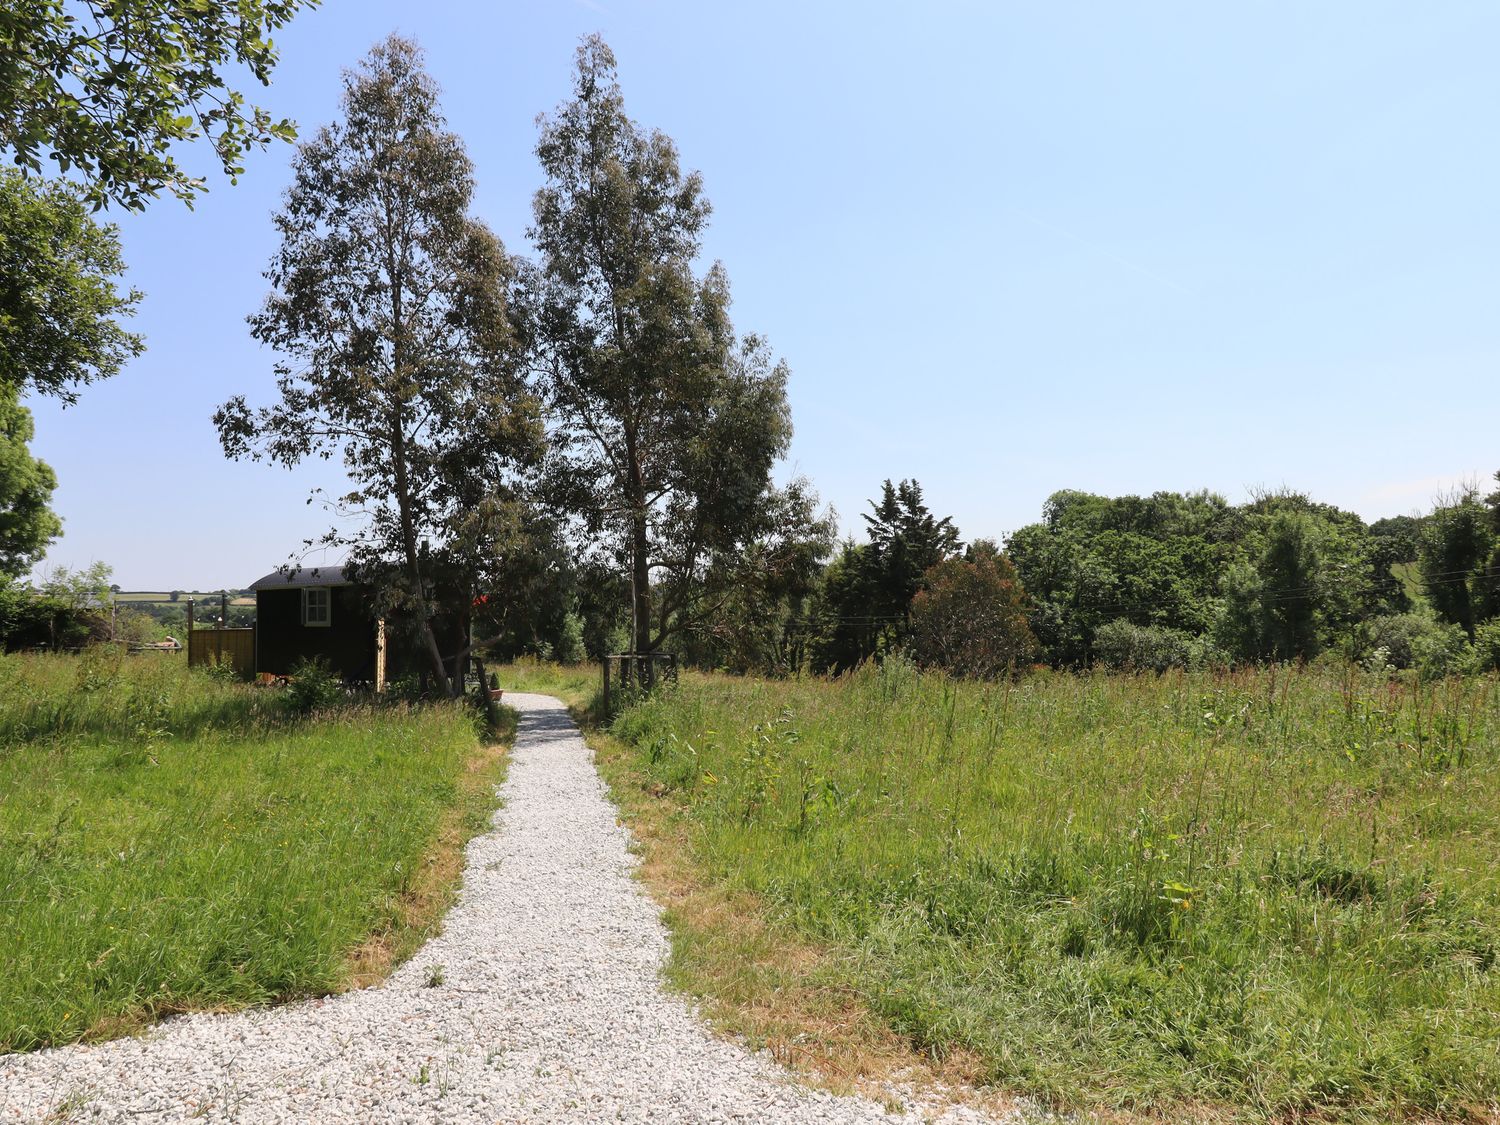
(214, 646)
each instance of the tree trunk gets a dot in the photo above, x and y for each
(640, 549)
(413, 557)
(640, 583)
(491, 708)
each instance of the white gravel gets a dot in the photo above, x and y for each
(550, 1006)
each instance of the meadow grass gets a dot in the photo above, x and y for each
(577, 685)
(173, 841)
(1265, 895)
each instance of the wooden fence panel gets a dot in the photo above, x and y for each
(211, 646)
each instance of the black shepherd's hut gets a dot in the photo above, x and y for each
(319, 611)
(316, 612)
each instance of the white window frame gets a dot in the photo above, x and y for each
(317, 602)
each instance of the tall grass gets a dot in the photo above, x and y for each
(577, 685)
(170, 840)
(1272, 891)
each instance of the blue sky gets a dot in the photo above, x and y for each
(1005, 249)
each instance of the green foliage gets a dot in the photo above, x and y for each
(1152, 561)
(1148, 648)
(72, 609)
(866, 599)
(906, 541)
(1458, 539)
(59, 305)
(1275, 891)
(569, 647)
(763, 594)
(313, 686)
(970, 616)
(27, 524)
(1487, 646)
(1394, 542)
(1289, 565)
(108, 90)
(1278, 578)
(170, 841)
(1415, 640)
(666, 423)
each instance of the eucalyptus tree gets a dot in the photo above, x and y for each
(389, 308)
(665, 424)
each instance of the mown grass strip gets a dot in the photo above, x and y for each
(224, 854)
(1270, 895)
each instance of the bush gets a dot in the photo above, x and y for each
(1487, 646)
(1122, 644)
(569, 647)
(313, 687)
(971, 617)
(1416, 640)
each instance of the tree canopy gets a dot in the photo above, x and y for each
(106, 89)
(27, 523)
(60, 305)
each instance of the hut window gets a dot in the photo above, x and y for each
(316, 607)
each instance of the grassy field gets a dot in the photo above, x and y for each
(1267, 895)
(577, 685)
(173, 841)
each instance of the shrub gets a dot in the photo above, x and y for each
(569, 647)
(1487, 646)
(971, 617)
(1122, 644)
(1416, 640)
(313, 686)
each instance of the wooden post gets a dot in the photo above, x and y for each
(491, 707)
(379, 655)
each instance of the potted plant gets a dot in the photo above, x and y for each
(495, 692)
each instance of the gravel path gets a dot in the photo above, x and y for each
(550, 1006)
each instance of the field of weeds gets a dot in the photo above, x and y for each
(1261, 895)
(173, 840)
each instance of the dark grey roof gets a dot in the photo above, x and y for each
(303, 576)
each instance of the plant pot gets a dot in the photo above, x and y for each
(495, 694)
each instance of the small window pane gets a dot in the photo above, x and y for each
(316, 607)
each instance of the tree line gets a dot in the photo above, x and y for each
(571, 452)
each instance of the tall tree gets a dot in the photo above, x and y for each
(108, 88)
(667, 425)
(27, 524)
(1457, 540)
(864, 604)
(906, 541)
(1290, 565)
(59, 303)
(390, 303)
